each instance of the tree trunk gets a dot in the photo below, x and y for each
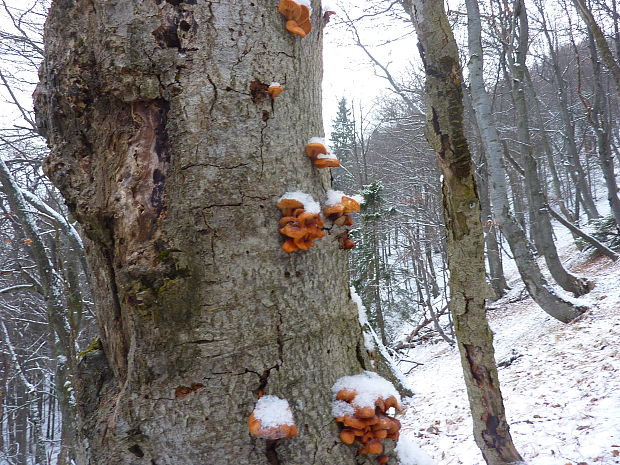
(536, 284)
(541, 224)
(575, 170)
(172, 156)
(465, 238)
(602, 128)
(601, 42)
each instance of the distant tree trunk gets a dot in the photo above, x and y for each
(172, 156)
(601, 42)
(539, 216)
(445, 133)
(602, 127)
(575, 170)
(536, 284)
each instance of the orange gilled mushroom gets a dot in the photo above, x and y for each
(383, 459)
(365, 412)
(298, 17)
(314, 149)
(275, 89)
(273, 432)
(293, 230)
(347, 436)
(326, 162)
(392, 402)
(353, 422)
(374, 447)
(346, 395)
(350, 204)
(289, 246)
(381, 434)
(288, 206)
(333, 212)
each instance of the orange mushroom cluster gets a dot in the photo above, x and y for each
(367, 421)
(298, 16)
(320, 156)
(301, 221)
(272, 419)
(338, 210)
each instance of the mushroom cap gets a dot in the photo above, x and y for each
(374, 447)
(289, 9)
(287, 206)
(274, 91)
(365, 412)
(326, 163)
(289, 246)
(293, 27)
(346, 394)
(293, 230)
(350, 205)
(347, 436)
(273, 432)
(303, 243)
(313, 149)
(353, 422)
(286, 220)
(333, 211)
(393, 402)
(348, 244)
(381, 434)
(382, 459)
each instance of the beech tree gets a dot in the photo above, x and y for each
(172, 155)
(445, 133)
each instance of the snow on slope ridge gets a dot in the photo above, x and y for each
(562, 391)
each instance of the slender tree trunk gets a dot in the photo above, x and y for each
(539, 216)
(465, 238)
(601, 42)
(602, 127)
(551, 163)
(552, 303)
(575, 169)
(172, 156)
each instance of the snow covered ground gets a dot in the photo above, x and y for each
(561, 392)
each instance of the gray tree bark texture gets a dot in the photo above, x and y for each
(465, 239)
(536, 284)
(171, 155)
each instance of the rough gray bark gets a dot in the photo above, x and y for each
(542, 231)
(170, 153)
(465, 239)
(536, 284)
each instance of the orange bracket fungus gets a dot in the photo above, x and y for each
(362, 404)
(275, 89)
(301, 221)
(272, 419)
(317, 151)
(337, 209)
(298, 15)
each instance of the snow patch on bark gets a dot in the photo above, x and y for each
(273, 411)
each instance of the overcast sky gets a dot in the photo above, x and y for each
(348, 72)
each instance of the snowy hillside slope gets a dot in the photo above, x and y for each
(561, 389)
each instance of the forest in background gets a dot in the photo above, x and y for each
(399, 266)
